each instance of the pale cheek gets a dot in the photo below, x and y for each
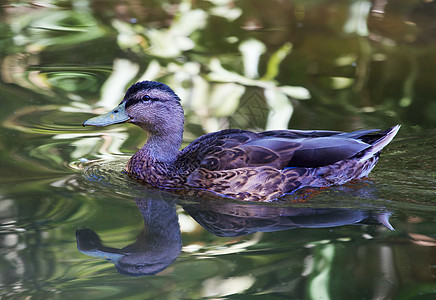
(137, 114)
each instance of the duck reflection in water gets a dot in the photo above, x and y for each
(235, 219)
(155, 248)
(160, 243)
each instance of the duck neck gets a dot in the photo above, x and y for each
(162, 148)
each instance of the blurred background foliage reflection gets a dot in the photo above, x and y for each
(354, 56)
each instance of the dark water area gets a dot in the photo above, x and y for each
(72, 224)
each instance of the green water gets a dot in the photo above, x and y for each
(65, 204)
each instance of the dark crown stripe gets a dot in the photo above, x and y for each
(146, 85)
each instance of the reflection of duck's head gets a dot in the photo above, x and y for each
(155, 248)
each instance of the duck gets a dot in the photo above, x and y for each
(236, 163)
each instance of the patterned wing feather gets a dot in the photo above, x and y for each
(254, 151)
(232, 149)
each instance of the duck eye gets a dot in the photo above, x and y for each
(146, 97)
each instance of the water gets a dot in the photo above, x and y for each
(66, 206)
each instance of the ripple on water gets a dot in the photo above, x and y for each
(49, 119)
(67, 114)
(407, 171)
(108, 176)
(73, 81)
(58, 136)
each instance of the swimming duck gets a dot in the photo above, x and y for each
(237, 163)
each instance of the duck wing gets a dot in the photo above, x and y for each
(323, 151)
(233, 149)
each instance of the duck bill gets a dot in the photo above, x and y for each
(116, 116)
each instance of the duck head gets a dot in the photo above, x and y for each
(151, 105)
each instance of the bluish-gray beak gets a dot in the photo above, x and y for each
(117, 115)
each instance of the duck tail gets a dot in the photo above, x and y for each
(379, 144)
